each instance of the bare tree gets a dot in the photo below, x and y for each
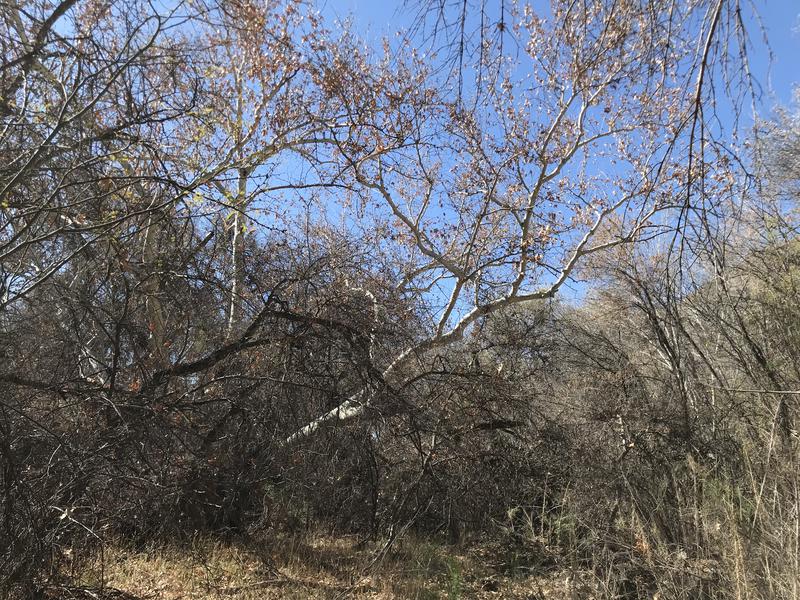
(224, 228)
(587, 140)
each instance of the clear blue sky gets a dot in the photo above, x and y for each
(781, 19)
(774, 66)
(374, 19)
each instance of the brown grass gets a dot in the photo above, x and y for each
(740, 544)
(319, 567)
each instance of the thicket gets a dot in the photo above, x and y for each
(254, 279)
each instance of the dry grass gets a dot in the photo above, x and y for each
(319, 567)
(739, 544)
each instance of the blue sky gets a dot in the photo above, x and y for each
(774, 66)
(781, 20)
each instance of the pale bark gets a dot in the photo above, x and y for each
(238, 214)
(152, 289)
(357, 404)
(237, 255)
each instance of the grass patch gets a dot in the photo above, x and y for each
(303, 567)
